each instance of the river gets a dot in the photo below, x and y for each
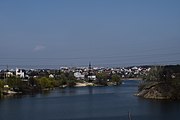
(89, 103)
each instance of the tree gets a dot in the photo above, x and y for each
(116, 79)
(14, 82)
(159, 74)
(71, 81)
(102, 78)
(155, 74)
(44, 83)
(62, 80)
(2, 84)
(32, 81)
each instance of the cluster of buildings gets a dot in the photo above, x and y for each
(128, 72)
(81, 73)
(10, 73)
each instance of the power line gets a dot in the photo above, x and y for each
(94, 57)
(97, 64)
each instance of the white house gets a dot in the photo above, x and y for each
(20, 73)
(79, 76)
(92, 77)
(9, 74)
(51, 76)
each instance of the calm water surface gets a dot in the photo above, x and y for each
(89, 103)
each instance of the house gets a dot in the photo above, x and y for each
(20, 73)
(6, 73)
(79, 76)
(51, 76)
(92, 77)
(9, 74)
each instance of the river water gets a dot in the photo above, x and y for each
(89, 103)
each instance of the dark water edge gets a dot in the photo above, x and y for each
(88, 103)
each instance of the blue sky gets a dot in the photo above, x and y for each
(74, 32)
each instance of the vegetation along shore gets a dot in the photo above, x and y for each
(161, 82)
(157, 82)
(16, 85)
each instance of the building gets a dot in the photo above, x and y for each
(20, 73)
(91, 76)
(79, 76)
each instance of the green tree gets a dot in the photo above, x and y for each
(63, 79)
(2, 83)
(71, 81)
(32, 81)
(116, 79)
(54, 83)
(101, 78)
(14, 82)
(44, 83)
(155, 74)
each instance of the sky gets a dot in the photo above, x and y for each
(76, 32)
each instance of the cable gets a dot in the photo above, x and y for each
(93, 57)
(98, 64)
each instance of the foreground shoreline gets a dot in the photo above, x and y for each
(159, 91)
(78, 84)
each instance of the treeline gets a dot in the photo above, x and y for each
(161, 82)
(163, 73)
(105, 79)
(36, 84)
